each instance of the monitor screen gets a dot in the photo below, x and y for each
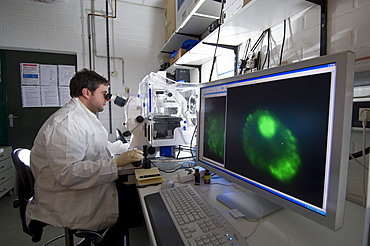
(283, 133)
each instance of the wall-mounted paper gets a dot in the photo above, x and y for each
(49, 96)
(64, 96)
(65, 73)
(48, 74)
(30, 74)
(31, 96)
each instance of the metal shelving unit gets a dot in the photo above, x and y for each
(255, 17)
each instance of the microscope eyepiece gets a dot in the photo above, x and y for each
(108, 96)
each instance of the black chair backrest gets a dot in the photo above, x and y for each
(24, 180)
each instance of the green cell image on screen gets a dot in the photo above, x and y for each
(215, 130)
(280, 156)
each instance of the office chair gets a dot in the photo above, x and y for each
(24, 190)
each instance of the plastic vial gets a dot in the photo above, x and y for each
(197, 177)
(207, 177)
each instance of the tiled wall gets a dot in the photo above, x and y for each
(136, 37)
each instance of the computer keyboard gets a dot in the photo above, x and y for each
(196, 221)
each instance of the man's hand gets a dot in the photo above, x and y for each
(129, 156)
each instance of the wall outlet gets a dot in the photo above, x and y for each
(363, 114)
(127, 90)
(114, 74)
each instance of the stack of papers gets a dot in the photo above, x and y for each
(148, 176)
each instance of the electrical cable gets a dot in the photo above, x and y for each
(191, 142)
(246, 49)
(218, 38)
(244, 60)
(269, 48)
(359, 162)
(364, 121)
(359, 153)
(259, 221)
(256, 44)
(259, 40)
(267, 57)
(282, 44)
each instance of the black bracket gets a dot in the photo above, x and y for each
(323, 25)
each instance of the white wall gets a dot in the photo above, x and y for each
(136, 36)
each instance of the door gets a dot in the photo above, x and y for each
(24, 123)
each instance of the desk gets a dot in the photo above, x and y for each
(284, 227)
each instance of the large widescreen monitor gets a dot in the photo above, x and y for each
(282, 133)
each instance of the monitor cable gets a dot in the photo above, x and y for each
(267, 57)
(259, 221)
(358, 154)
(365, 116)
(364, 121)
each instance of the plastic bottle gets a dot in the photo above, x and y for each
(197, 177)
(207, 177)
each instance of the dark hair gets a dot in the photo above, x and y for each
(85, 78)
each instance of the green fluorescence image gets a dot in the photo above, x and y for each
(215, 129)
(270, 146)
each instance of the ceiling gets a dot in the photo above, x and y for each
(152, 3)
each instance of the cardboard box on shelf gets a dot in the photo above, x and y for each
(246, 2)
(179, 53)
(170, 18)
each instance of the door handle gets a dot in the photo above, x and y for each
(11, 118)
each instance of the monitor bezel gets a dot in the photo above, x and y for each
(341, 129)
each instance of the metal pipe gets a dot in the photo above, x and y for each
(108, 66)
(83, 34)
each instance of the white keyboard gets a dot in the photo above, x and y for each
(196, 221)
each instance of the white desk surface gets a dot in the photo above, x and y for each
(284, 227)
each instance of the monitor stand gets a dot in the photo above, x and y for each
(254, 207)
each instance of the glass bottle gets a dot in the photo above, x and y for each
(197, 177)
(207, 177)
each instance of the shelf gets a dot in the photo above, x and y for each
(255, 17)
(204, 13)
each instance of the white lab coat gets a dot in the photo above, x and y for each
(74, 171)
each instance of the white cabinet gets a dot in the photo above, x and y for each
(6, 170)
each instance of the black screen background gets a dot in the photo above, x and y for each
(301, 105)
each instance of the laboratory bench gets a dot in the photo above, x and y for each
(284, 227)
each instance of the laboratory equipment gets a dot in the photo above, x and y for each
(164, 114)
(283, 133)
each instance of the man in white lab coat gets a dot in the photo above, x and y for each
(73, 167)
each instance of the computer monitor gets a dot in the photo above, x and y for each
(283, 133)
